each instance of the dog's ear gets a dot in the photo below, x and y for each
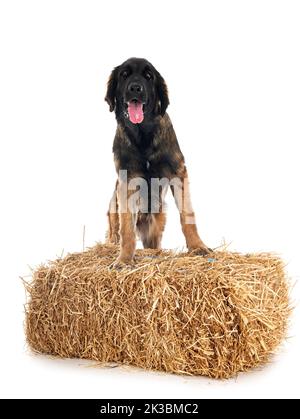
(162, 92)
(110, 96)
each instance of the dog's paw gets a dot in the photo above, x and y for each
(200, 251)
(112, 239)
(120, 264)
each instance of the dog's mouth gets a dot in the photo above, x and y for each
(135, 109)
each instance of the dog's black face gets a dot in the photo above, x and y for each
(136, 91)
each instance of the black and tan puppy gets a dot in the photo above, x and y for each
(145, 147)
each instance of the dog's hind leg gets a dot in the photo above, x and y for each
(113, 234)
(150, 229)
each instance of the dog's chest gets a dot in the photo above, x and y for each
(147, 153)
(156, 162)
(147, 157)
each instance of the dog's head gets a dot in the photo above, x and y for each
(136, 90)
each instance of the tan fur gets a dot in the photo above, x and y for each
(113, 234)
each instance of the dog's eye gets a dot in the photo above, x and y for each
(148, 75)
(124, 74)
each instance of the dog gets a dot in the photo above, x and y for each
(145, 147)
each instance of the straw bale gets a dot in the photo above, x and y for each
(215, 316)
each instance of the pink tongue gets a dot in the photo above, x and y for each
(136, 114)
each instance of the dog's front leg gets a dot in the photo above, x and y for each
(127, 217)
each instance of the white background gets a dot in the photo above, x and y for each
(233, 73)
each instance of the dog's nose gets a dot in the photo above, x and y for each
(135, 87)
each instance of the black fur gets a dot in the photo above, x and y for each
(134, 147)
